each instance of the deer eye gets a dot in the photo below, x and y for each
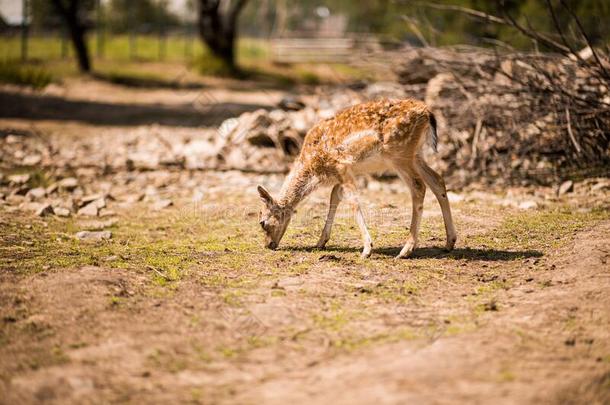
(262, 224)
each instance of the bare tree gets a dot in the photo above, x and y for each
(71, 12)
(218, 27)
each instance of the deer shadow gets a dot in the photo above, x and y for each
(471, 254)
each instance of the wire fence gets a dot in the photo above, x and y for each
(52, 45)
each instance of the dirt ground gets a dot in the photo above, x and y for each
(183, 305)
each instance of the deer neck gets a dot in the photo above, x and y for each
(298, 185)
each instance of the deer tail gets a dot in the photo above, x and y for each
(433, 134)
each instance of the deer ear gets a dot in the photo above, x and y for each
(265, 196)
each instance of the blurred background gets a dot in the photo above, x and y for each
(520, 86)
(115, 37)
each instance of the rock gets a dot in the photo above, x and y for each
(99, 203)
(44, 210)
(566, 187)
(374, 186)
(454, 197)
(200, 153)
(142, 160)
(527, 205)
(98, 225)
(291, 103)
(12, 139)
(31, 160)
(133, 198)
(329, 258)
(14, 199)
(90, 210)
(198, 196)
(23, 190)
(161, 204)
(384, 89)
(61, 212)
(52, 188)
(37, 322)
(19, 178)
(69, 183)
(94, 236)
(105, 212)
(601, 185)
(91, 197)
(36, 193)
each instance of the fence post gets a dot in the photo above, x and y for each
(158, 28)
(64, 43)
(24, 30)
(99, 29)
(188, 42)
(132, 39)
(162, 42)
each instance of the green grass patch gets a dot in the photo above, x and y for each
(538, 229)
(24, 75)
(139, 64)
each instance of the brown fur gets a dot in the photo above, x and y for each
(378, 135)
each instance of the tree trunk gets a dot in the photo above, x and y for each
(80, 47)
(77, 32)
(219, 31)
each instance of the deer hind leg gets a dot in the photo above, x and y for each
(437, 185)
(335, 199)
(418, 191)
(351, 195)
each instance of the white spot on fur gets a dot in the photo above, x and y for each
(357, 136)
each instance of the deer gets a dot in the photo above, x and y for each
(380, 135)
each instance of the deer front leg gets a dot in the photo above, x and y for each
(335, 199)
(351, 195)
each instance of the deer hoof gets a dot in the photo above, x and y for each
(450, 243)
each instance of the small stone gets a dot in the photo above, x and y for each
(291, 103)
(31, 160)
(528, 205)
(37, 322)
(12, 139)
(490, 306)
(89, 210)
(23, 190)
(36, 193)
(61, 212)
(454, 197)
(105, 212)
(329, 258)
(98, 225)
(161, 204)
(100, 203)
(94, 236)
(601, 185)
(14, 199)
(19, 178)
(52, 188)
(134, 198)
(198, 196)
(44, 210)
(566, 187)
(91, 197)
(69, 183)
